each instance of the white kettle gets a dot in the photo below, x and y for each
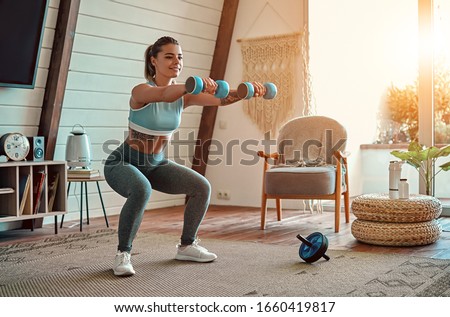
(78, 148)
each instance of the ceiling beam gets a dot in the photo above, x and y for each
(218, 67)
(57, 74)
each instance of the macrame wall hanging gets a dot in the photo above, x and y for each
(309, 102)
(271, 59)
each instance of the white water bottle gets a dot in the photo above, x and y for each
(395, 171)
(403, 189)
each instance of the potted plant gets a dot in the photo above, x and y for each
(423, 159)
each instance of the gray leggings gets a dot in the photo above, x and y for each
(134, 175)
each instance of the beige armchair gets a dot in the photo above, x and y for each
(310, 164)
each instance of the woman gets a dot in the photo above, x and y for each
(138, 166)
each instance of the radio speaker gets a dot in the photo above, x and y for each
(37, 146)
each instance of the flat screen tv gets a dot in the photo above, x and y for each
(21, 30)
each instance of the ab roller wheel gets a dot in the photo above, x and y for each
(246, 90)
(313, 247)
(194, 85)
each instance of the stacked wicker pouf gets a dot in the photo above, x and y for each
(396, 222)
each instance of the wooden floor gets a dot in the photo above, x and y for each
(242, 224)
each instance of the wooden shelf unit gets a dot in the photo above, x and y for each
(11, 174)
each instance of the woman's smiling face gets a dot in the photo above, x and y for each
(169, 61)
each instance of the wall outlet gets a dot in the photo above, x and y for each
(223, 194)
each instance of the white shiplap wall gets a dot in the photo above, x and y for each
(107, 61)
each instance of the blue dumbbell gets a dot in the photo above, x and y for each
(194, 85)
(246, 90)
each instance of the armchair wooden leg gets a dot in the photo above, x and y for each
(279, 214)
(263, 211)
(347, 206)
(337, 213)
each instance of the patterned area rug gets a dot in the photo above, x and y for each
(79, 265)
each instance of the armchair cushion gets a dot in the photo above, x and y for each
(320, 180)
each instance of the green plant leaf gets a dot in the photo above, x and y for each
(401, 155)
(422, 158)
(412, 158)
(444, 151)
(445, 167)
(404, 156)
(430, 153)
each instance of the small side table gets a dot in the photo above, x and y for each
(84, 182)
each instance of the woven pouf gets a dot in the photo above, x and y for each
(396, 234)
(396, 222)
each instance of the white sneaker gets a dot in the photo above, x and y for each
(122, 264)
(195, 253)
